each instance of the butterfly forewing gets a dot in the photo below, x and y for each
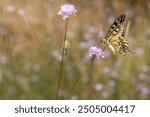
(116, 27)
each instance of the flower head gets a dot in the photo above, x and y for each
(94, 50)
(66, 10)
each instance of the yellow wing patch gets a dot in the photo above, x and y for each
(112, 48)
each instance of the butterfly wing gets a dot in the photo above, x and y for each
(116, 36)
(115, 44)
(123, 39)
(126, 28)
(116, 27)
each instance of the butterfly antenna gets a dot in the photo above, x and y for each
(98, 34)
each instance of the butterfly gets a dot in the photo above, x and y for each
(115, 38)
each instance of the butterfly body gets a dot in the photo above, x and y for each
(115, 38)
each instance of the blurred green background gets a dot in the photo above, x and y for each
(31, 36)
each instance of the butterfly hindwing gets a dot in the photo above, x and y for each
(124, 42)
(116, 43)
(126, 28)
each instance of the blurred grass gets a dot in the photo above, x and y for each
(27, 73)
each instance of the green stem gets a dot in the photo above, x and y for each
(62, 62)
(88, 66)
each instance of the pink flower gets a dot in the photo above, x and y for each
(94, 50)
(67, 10)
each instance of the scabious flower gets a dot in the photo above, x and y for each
(67, 10)
(94, 50)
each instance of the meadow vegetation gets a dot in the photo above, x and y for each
(31, 38)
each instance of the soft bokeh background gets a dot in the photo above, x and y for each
(31, 35)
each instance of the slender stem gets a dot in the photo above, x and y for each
(50, 61)
(57, 43)
(86, 70)
(62, 62)
(36, 37)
